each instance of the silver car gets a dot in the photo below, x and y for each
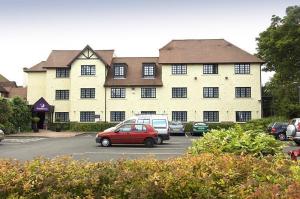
(1, 135)
(293, 130)
(176, 127)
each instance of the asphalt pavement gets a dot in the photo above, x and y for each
(84, 147)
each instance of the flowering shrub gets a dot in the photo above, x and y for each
(205, 176)
(237, 141)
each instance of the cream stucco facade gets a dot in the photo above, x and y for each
(45, 83)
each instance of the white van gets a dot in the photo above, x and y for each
(159, 123)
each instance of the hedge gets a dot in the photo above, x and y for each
(90, 127)
(205, 176)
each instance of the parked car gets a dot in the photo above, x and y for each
(1, 135)
(129, 134)
(176, 127)
(293, 130)
(159, 122)
(278, 129)
(199, 128)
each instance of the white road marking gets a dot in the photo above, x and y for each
(21, 140)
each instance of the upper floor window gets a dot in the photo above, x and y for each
(87, 93)
(149, 70)
(179, 116)
(148, 112)
(119, 70)
(243, 116)
(210, 69)
(88, 70)
(62, 94)
(117, 92)
(87, 116)
(179, 69)
(211, 92)
(179, 92)
(211, 116)
(62, 116)
(62, 72)
(242, 92)
(148, 92)
(242, 68)
(117, 116)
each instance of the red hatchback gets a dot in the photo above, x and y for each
(129, 134)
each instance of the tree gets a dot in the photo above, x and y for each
(279, 46)
(21, 114)
(5, 114)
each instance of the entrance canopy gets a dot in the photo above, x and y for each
(41, 106)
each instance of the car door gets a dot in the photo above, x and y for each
(138, 134)
(122, 135)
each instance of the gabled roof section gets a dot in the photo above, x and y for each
(134, 67)
(195, 51)
(64, 58)
(3, 79)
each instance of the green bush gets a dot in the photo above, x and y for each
(222, 125)
(237, 141)
(90, 127)
(205, 176)
(65, 126)
(188, 127)
(261, 124)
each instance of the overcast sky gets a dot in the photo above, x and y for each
(30, 29)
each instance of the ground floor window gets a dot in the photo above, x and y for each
(243, 116)
(87, 116)
(148, 112)
(179, 116)
(117, 116)
(61, 116)
(211, 116)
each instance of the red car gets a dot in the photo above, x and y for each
(129, 134)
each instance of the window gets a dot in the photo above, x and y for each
(159, 123)
(210, 92)
(242, 92)
(179, 92)
(179, 116)
(62, 72)
(88, 70)
(179, 69)
(87, 116)
(242, 68)
(118, 93)
(210, 69)
(125, 128)
(148, 92)
(148, 70)
(62, 116)
(143, 121)
(87, 93)
(61, 94)
(119, 70)
(148, 112)
(243, 116)
(211, 116)
(117, 116)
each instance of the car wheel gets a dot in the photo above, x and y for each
(105, 142)
(149, 142)
(281, 137)
(160, 140)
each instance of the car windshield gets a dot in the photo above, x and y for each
(200, 124)
(175, 123)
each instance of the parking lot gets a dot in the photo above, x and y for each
(85, 147)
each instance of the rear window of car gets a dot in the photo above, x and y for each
(293, 122)
(159, 123)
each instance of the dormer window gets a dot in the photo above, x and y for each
(119, 71)
(148, 70)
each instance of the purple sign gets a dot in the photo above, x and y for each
(41, 106)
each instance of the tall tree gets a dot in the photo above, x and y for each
(279, 46)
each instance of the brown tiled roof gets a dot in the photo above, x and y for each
(204, 51)
(3, 90)
(134, 72)
(63, 58)
(8, 84)
(18, 92)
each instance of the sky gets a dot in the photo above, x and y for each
(30, 29)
